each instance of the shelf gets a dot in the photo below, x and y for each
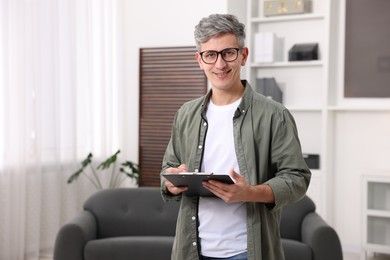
(288, 64)
(378, 248)
(287, 18)
(304, 84)
(378, 231)
(315, 171)
(378, 213)
(384, 108)
(304, 109)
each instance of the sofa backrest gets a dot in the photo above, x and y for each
(292, 217)
(132, 212)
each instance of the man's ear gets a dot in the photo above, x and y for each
(245, 53)
(199, 59)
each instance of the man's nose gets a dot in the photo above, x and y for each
(220, 62)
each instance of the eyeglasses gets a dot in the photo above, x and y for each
(228, 55)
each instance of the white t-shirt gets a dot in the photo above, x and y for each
(222, 226)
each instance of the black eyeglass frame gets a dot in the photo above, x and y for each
(219, 53)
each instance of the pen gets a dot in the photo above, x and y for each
(172, 165)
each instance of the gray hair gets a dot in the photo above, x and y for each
(219, 24)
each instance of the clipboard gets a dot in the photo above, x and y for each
(194, 181)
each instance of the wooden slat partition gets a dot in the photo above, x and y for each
(168, 78)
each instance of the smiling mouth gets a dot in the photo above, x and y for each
(222, 74)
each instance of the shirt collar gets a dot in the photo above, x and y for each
(245, 101)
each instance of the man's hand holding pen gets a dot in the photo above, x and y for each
(175, 169)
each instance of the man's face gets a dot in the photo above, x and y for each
(223, 75)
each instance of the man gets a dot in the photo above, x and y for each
(232, 129)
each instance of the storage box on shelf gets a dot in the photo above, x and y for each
(284, 7)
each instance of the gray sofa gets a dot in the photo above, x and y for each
(120, 224)
(305, 235)
(135, 224)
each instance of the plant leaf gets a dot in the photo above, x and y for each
(87, 160)
(133, 167)
(84, 164)
(131, 170)
(75, 175)
(107, 163)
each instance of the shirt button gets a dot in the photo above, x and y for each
(196, 170)
(205, 124)
(194, 243)
(200, 146)
(193, 218)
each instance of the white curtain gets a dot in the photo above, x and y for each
(59, 100)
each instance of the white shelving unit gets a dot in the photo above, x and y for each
(376, 215)
(305, 84)
(350, 134)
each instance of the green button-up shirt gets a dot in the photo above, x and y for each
(268, 151)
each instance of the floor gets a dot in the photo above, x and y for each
(355, 256)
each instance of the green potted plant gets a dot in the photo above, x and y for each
(127, 169)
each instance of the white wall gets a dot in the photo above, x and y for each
(361, 144)
(154, 23)
(362, 147)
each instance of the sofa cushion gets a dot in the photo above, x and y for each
(124, 212)
(294, 250)
(134, 248)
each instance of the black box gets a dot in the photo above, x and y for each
(306, 51)
(312, 160)
(269, 88)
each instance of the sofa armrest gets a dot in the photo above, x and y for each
(74, 235)
(321, 237)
